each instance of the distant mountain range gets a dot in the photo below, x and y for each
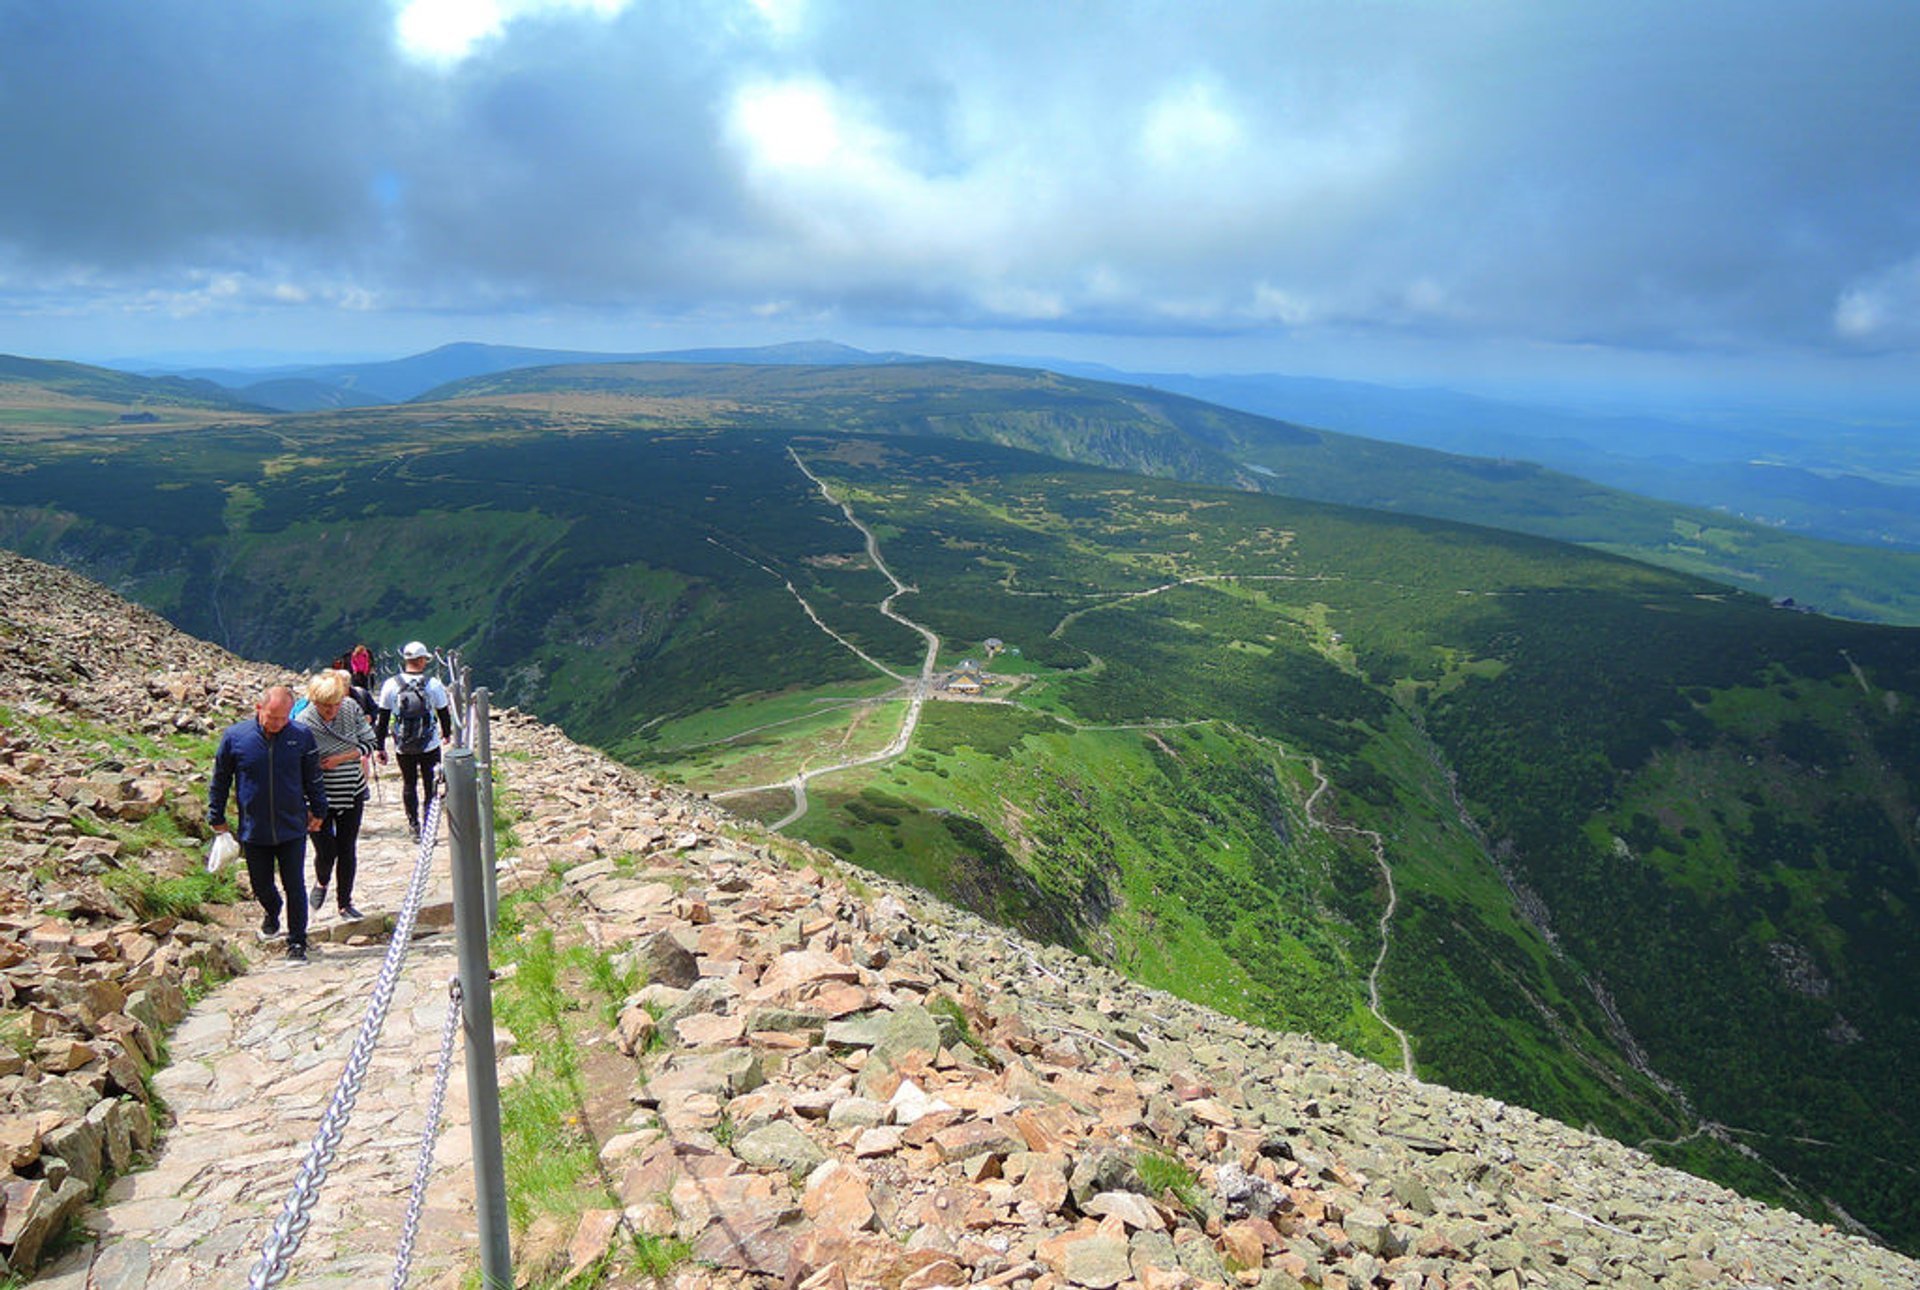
(314, 388)
(1843, 476)
(1131, 427)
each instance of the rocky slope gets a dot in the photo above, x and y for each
(826, 1081)
(843, 1083)
(104, 710)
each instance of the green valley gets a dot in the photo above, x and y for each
(1649, 845)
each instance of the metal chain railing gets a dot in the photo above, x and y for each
(276, 1257)
(436, 1101)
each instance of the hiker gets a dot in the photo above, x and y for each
(362, 697)
(360, 663)
(272, 767)
(419, 712)
(345, 737)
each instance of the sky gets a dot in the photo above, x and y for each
(1711, 193)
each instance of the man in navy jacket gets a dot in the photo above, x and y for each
(273, 767)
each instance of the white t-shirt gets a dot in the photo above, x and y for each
(437, 698)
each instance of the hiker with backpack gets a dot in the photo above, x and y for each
(418, 711)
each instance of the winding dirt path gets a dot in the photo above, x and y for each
(1321, 784)
(919, 688)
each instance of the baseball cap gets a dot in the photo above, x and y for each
(413, 650)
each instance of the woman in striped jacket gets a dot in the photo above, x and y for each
(345, 739)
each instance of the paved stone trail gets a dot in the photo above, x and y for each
(252, 1069)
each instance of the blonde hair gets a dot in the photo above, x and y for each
(326, 689)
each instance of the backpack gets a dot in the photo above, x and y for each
(412, 716)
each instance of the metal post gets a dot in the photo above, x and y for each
(483, 771)
(483, 1078)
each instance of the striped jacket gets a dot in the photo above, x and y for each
(348, 731)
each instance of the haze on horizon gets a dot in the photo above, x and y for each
(1713, 197)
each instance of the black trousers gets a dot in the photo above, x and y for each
(415, 768)
(336, 850)
(288, 861)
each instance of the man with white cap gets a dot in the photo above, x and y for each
(418, 711)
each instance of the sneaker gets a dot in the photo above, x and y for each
(269, 926)
(318, 896)
(348, 911)
(296, 954)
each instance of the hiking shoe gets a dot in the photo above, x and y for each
(318, 896)
(296, 954)
(269, 926)
(348, 911)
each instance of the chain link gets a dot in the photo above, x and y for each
(276, 1257)
(436, 1100)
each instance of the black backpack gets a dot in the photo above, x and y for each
(412, 715)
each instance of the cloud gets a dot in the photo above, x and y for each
(1717, 175)
(1882, 308)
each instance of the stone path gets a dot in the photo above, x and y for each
(252, 1069)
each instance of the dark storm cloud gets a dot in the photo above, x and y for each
(1738, 176)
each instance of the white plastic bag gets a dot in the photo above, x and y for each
(222, 849)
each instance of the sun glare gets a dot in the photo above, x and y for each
(443, 31)
(792, 125)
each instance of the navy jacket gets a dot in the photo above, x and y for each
(275, 778)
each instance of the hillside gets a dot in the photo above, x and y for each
(1845, 473)
(1587, 777)
(737, 1065)
(45, 399)
(1169, 435)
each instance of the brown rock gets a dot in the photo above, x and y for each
(945, 1272)
(61, 1054)
(793, 972)
(703, 1029)
(635, 1030)
(866, 1260)
(1241, 1246)
(1050, 1128)
(1045, 1183)
(837, 1196)
(1131, 1209)
(974, 1138)
(666, 961)
(20, 1137)
(874, 1142)
(592, 1239)
(754, 1235)
(831, 1277)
